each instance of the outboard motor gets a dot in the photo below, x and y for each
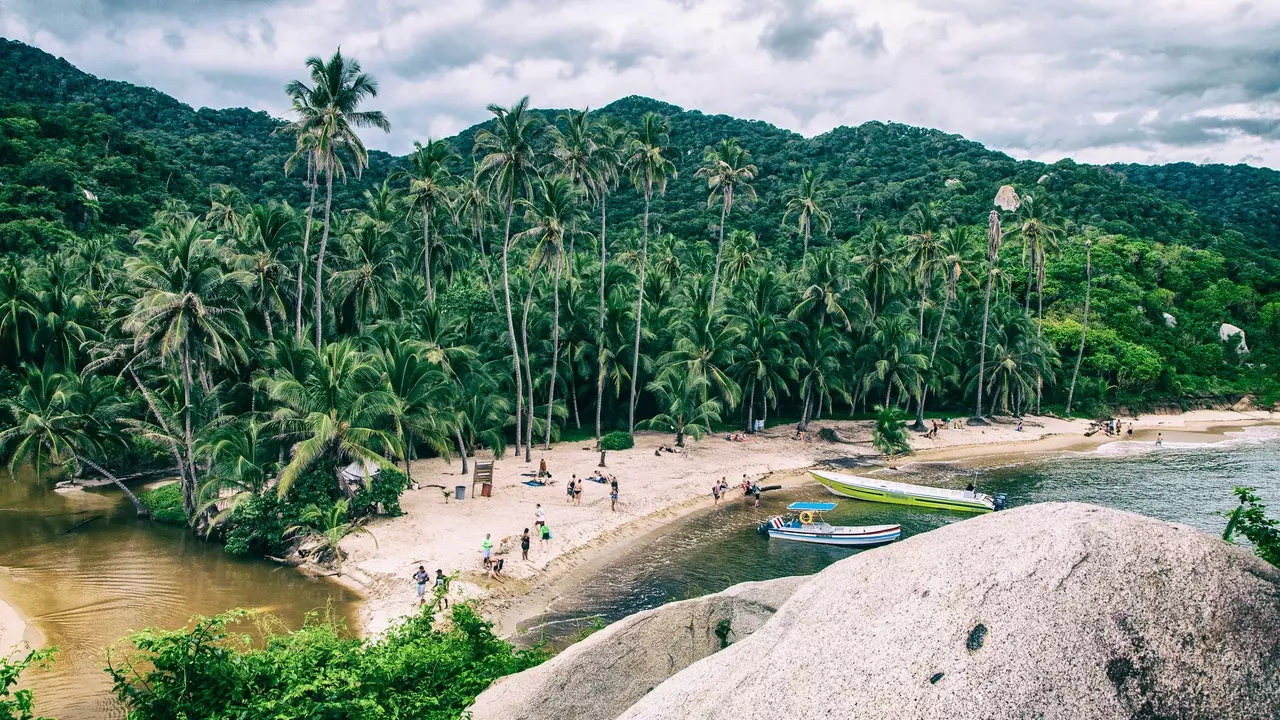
(998, 500)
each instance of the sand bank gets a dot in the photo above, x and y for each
(654, 490)
(12, 629)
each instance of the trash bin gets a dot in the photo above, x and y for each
(486, 489)
(460, 492)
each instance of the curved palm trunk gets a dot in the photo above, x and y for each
(724, 213)
(555, 353)
(324, 243)
(302, 261)
(1084, 324)
(635, 352)
(426, 252)
(164, 425)
(143, 510)
(600, 327)
(462, 448)
(511, 328)
(484, 265)
(528, 371)
(189, 488)
(1039, 332)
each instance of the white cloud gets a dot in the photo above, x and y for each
(1147, 81)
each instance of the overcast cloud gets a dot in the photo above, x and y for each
(1097, 80)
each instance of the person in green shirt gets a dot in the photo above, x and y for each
(545, 534)
(487, 548)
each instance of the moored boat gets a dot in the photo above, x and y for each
(807, 525)
(899, 493)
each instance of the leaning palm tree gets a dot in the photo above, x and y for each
(1006, 199)
(806, 202)
(728, 170)
(329, 109)
(429, 179)
(509, 166)
(649, 170)
(1084, 323)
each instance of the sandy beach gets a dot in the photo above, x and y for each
(656, 490)
(12, 629)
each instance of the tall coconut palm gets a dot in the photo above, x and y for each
(1006, 199)
(509, 165)
(1039, 229)
(1084, 322)
(186, 309)
(551, 215)
(924, 226)
(956, 243)
(422, 399)
(429, 180)
(268, 230)
(610, 146)
(328, 108)
(728, 170)
(472, 205)
(304, 152)
(806, 203)
(649, 170)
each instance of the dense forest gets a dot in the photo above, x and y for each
(248, 301)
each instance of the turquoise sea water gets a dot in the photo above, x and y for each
(1179, 482)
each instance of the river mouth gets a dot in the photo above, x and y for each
(84, 588)
(1189, 480)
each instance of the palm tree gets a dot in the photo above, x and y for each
(304, 151)
(881, 271)
(329, 527)
(187, 308)
(728, 169)
(268, 229)
(421, 391)
(551, 215)
(924, 249)
(956, 243)
(509, 165)
(471, 203)
(891, 352)
(685, 407)
(1005, 199)
(328, 108)
(806, 203)
(1084, 323)
(18, 314)
(429, 180)
(366, 283)
(649, 170)
(63, 421)
(242, 458)
(819, 365)
(609, 142)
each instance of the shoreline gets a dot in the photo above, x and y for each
(656, 492)
(13, 629)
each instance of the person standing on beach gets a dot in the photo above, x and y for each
(572, 489)
(524, 544)
(442, 588)
(613, 497)
(420, 578)
(544, 535)
(715, 494)
(1159, 438)
(487, 548)
(539, 515)
(755, 490)
(577, 494)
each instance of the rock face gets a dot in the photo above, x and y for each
(600, 677)
(1048, 611)
(1227, 331)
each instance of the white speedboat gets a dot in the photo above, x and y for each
(806, 525)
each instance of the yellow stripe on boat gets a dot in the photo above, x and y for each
(897, 493)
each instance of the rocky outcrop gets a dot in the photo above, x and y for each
(600, 677)
(1226, 331)
(1053, 610)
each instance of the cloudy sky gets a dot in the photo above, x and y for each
(1097, 80)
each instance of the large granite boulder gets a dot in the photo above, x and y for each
(600, 677)
(1047, 611)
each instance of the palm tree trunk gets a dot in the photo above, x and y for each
(143, 510)
(324, 243)
(511, 327)
(751, 409)
(804, 413)
(555, 352)
(484, 265)
(982, 349)
(164, 425)
(302, 261)
(462, 448)
(1084, 324)
(573, 390)
(528, 372)
(426, 252)
(600, 328)
(189, 489)
(715, 277)
(1039, 331)
(804, 254)
(635, 353)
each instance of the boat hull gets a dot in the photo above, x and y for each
(895, 497)
(834, 538)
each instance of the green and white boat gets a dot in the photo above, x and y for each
(898, 493)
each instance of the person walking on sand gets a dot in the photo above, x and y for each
(442, 588)
(755, 490)
(524, 544)
(420, 578)
(613, 497)
(577, 494)
(572, 489)
(487, 548)
(715, 494)
(544, 535)
(539, 515)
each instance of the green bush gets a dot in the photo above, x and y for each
(617, 440)
(419, 669)
(384, 490)
(258, 526)
(1250, 519)
(165, 503)
(19, 704)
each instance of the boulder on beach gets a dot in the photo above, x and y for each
(1058, 610)
(600, 677)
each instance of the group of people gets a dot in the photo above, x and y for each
(675, 449)
(421, 577)
(574, 489)
(750, 488)
(736, 437)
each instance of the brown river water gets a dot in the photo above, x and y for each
(82, 590)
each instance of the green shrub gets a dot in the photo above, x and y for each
(384, 490)
(1250, 519)
(419, 669)
(165, 503)
(617, 440)
(258, 526)
(19, 704)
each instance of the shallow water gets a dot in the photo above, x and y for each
(85, 589)
(1181, 482)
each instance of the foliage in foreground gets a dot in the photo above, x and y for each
(19, 704)
(1250, 520)
(420, 669)
(889, 435)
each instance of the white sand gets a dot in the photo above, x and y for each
(12, 629)
(653, 490)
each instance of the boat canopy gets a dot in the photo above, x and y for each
(812, 506)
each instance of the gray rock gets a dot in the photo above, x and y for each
(1047, 611)
(600, 677)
